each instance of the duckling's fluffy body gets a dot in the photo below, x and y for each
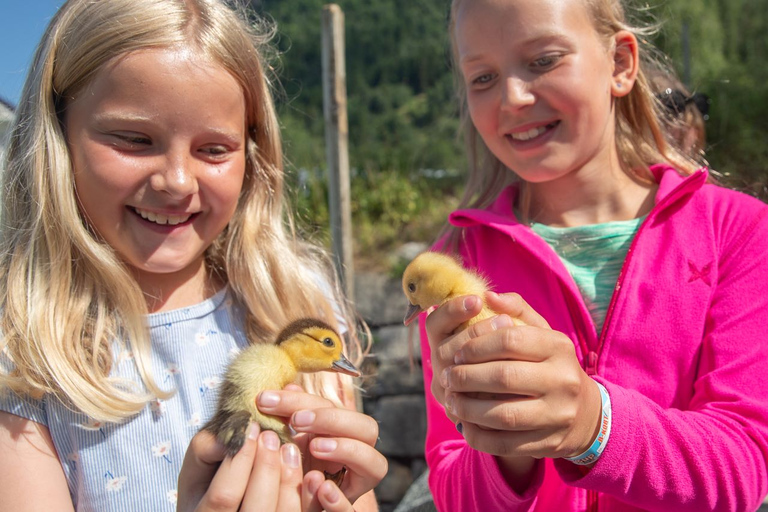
(433, 278)
(306, 345)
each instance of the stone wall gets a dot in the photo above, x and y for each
(393, 389)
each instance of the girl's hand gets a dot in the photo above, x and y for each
(331, 438)
(262, 477)
(518, 391)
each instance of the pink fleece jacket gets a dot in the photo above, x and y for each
(683, 355)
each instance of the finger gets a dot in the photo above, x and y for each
(285, 403)
(497, 339)
(502, 443)
(290, 480)
(366, 466)
(201, 461)
(515, 306)
(338, 422)
(228, 486)
(444, 321)
(309, 500)
(332, 499)
(500, 412)
(264, 474)
(499, 377)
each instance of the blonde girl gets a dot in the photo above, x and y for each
(145, 242)
(636, 383)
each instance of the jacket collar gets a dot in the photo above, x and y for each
(673, 187)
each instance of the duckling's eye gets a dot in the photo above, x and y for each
(411, 287)
(328, 342)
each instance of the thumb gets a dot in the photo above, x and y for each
(515, 306)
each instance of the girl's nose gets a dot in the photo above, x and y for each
(176, 177)
(516, 93)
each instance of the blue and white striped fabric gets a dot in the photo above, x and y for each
(135, 465)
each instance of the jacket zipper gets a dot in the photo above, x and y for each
(590, 364)
(593, 356)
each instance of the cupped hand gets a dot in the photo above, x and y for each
(518, 391)
(262, 477)
(331, 438)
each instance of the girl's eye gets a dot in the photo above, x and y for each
(546, 62)
(216, 150)
(134, 140)
(482, 79)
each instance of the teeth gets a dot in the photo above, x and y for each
(533, 132)
(157, 218)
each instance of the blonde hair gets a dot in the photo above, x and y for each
(640, 138)
(61, 309)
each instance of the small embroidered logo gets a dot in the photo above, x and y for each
(702, 273)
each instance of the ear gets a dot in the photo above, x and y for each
(626, 62)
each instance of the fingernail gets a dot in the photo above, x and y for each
(271, 441)
(460, 428)
(470, 302)
(458, 358)
(268, 399)
(303, 418)
(325, 445)
(253, 431)
(501, 321)
(290, 455)
(444, 379)
(449, 402)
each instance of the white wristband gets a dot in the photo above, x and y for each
(594, 451)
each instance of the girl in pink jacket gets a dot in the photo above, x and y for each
(638, 381)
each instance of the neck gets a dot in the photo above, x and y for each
(165, 292)
(590, 198)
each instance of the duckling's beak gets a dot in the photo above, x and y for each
(411, 313)
(342, 365)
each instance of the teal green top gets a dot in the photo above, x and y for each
(593, 255)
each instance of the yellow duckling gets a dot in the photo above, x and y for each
(433, 278)
(306, 345)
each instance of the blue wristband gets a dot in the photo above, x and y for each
(594, 451)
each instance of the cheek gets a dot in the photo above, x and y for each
(227, 185)
(481, 113)
(99, 176)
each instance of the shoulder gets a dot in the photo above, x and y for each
(733, 214)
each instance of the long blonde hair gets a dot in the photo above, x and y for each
(66, 297)
(640, 138)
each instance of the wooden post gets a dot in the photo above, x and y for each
(336, 142)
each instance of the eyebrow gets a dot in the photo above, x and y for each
(539, 40)
(129, 117)
(112, 117)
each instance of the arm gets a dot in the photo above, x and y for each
(31, 476)
(709, 452)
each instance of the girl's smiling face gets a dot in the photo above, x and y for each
(539, 84)
(158, 148)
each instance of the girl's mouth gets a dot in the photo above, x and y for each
(532, 133)
(163, 220)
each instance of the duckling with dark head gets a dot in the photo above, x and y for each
(305, 345)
